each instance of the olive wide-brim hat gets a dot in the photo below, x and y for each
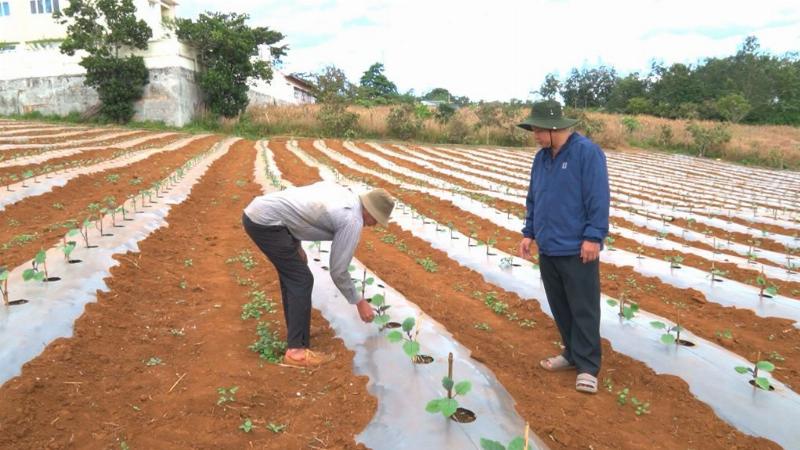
(547, 115)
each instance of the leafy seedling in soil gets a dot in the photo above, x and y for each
(715, 274)
(69, 246)
(363, 282)
(247, 426)
(382, 318)
(674, 261)
(518, 443)
(4, 274)
(757, 381)
(268, 346)
(609, 243)
(473, 235)
(410, 341)
(34, 273)
(448, 406)
(226, 395)
(84, 232)
(626, 309)
(276, 427)
(489, 243)
(765, 286)
(668, 338)
(96, 212)
(450, 227)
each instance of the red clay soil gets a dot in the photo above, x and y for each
(57, 140)
(38, 218)
(560, 415)
(105, 142)
(751, 334)
(94, 390)
(102, 154)
(48, 132)
(292, 168)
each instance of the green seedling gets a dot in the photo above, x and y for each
(448, 406)
(667, 338)
(153, 361)
(518, 443)
(674, 261)
(247, 426)
(724, 334)
(641, 407)
(276, 427)
(627, 309)
(245, 257)
(4, 284)
(226, 395)
(489, 243)
(410, 341)
(40, 260)
(378, 302)
(610, 243)
(68, 247)
(363, 282)
(268, 346)
(258, 305)
(760, 382)
(765, 286)
(428, 264)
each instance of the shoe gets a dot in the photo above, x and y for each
(311, 359)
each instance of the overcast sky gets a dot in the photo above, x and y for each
(502, 49)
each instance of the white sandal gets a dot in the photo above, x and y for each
(556, 364)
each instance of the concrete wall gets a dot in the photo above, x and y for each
(171, 96)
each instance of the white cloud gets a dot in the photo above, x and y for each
(504, 48)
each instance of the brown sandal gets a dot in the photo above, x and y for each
(311, 359)
(556, 364)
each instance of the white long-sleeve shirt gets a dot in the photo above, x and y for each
(322, 211)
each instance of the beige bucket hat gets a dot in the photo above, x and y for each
(379, 204)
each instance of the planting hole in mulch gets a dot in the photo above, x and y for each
(718, 280)
(391, 325)
(75, 261)
(51, 279)
(463, 415)
(107, 234)
(21, 301)
(516, 265)
(765, 296)
(685, 343)
(381, 286)
(423, 359)
(753, 383)
(317, 259)
(119, 226)
(324, 267)
(92, 246)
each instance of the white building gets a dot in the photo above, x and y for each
(35, 76)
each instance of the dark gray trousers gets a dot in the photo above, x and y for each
(297, 282)
(573, 292)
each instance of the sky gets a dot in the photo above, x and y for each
(502, 49)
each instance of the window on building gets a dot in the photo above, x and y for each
(44, 6)
(4, 9)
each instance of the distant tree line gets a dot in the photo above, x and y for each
(750, 86)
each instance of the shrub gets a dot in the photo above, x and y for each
(403, 123)
(337, 121)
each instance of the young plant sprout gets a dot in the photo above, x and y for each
(4, 285)
(609, 243)
(674, 261)
(363, 282)
(450, 227)
(627, 309)
(765, 286)
(667, 338)
(68, 247)
(715, 273)
(382, 318)
(639, 251)
(757, 381)
(448, 406)
(518, 443)
(40, 260)
(489, 243)
(410, 341)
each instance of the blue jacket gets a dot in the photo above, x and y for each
(568, 198)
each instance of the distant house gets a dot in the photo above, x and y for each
(35, 76)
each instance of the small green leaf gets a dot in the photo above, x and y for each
(486, 444)
(72, 232)
(766, 366)
(518, 443)
(3, 275)
(772, 290)
(28, 274)
(667, 339)
(411, 348)
(434, 406)
(463, 387)
(381, 320)
(612, 302)
(39, 276)
(394, 336)
(408, 324)
(351, 268)
(377, 300)
(447, 383)
(41, 256)
(627, 312)
(658, 325)
(742, 369)
(369, 281)
(449, 406)
(763, 383)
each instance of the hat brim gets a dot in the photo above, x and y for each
(366, 204)
(548, 124)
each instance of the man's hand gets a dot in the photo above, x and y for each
(590, 251)
(525, 248)
(365, 311)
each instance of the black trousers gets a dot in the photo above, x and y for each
(297, 282)
(573, 292)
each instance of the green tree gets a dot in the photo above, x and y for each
(331, 86)
(104, 29)
(228, 51)
(733, 107)
(589, 88)
(550, 87)
(624, 90)
(376, 88)
(438, 94)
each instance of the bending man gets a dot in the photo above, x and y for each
(323, 211)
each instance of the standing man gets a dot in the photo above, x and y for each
(323, 211)
(567, 216)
